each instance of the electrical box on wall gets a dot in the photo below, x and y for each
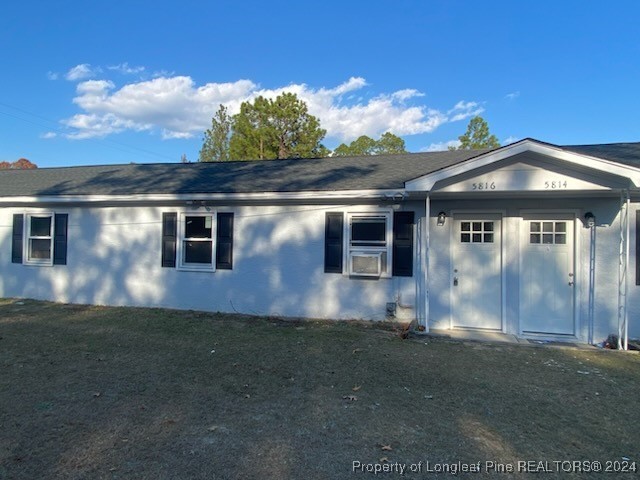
(391, 309)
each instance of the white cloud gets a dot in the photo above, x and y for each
(512, 95)
(163, 73)
(509, 140)
(406, 94)
(354, 83)
(463, 110)
(82, 72)
(92, 126)
(440, 146)
(176, 107)
(48, 135)
(52, 75)
(126, 69)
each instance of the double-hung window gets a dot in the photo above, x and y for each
(369, 244)
(196, 241)
(39, 239)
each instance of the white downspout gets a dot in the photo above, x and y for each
(592, 281)
(626, 277)
(425, 261)
(623, 271)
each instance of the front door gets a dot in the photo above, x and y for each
(476, 279)
(547, 276)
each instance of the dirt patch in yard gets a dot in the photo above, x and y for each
(96, 392)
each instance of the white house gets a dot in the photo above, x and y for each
(531, 239)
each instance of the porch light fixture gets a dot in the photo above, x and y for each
(441, 218)
(589, 219)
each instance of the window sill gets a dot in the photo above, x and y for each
(189, 268)
(37, 264)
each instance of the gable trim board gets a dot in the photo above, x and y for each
(427, 182)
(273, 252)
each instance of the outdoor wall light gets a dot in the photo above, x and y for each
(590, 219)
(441, 218)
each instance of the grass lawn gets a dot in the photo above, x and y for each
(97, 392)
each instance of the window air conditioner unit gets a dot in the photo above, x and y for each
(365, 264)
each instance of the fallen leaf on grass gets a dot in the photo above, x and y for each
(247, 396)
(386, 448)
(384, 460)
(97, 394)
(356, 388)
(358, 350)
(351, 398)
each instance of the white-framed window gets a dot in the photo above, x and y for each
(196, 241)
(368, 243)
(38, 238)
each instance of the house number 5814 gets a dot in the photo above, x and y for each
(555, 184)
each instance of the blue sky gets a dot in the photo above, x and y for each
(112, 82)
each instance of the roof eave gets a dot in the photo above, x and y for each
(330, 195)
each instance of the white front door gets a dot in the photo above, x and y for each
(547, 276)
(476, 278)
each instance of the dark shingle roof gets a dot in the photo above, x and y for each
(626, 153)
(320, 174)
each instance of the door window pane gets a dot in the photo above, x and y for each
(553, 233)
(476, 232)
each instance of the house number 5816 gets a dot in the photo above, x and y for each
(483, 186)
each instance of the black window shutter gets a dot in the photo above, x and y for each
(169, 237)
(224, 241)
(403, 244)
(60, 238)
(333, 232)
(16, 242)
